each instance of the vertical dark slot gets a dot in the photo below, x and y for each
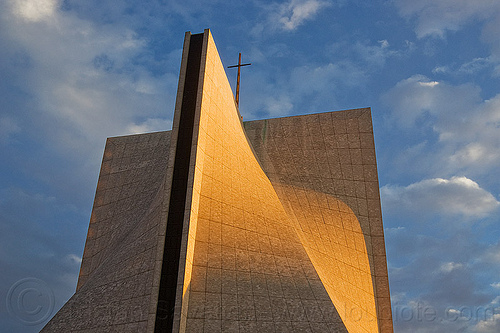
(175, 219)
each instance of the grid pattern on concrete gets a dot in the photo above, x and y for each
(282, 228)
(116, 275)
(324, 170)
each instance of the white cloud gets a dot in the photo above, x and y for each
(428, 84)
(435, 17)
(496, 285)
(288, 16)
(73, 259)
(296, 12)
(383, 43)
(472, 67)
(450, 266)
(412, 98)
(490, 324)
(394, 230)
(491, 34)
(441, 69)
(150, 125)
(34, 10)
(278, 105)
(475, 65)
(474, 153)
(454, 196)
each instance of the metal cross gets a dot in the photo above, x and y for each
(238, 79)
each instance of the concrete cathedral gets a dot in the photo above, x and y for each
(221, 225)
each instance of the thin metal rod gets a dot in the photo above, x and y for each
(238, 81)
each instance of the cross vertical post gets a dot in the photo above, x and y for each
(237, 98)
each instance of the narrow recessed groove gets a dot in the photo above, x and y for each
(175, 219)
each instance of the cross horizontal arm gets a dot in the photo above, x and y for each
(238, 65)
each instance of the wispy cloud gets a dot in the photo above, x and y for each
(296, 12)
(435, 17)
(472, 67)
(492, 255)
(319, 86)
(372, 55)
(288, 16)
(84, 80)
(150, 125)
(495, 285)
(450, 266)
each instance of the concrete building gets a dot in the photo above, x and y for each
(223, 226)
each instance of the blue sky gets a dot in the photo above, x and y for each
(74, 72)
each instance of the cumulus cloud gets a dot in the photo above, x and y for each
(454, 196)
(490, 324)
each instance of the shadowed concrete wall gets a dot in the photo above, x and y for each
(116, 277)
(324, 170)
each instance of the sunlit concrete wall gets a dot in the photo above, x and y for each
(250, 272)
